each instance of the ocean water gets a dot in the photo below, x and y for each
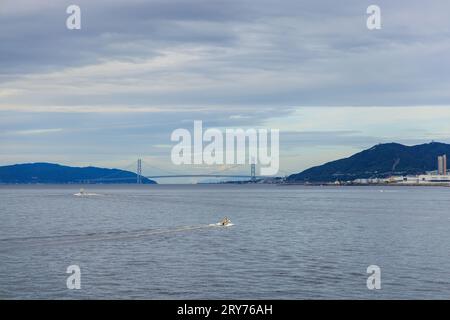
(287, 242)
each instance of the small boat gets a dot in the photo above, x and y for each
(225, 222)
(81, 193)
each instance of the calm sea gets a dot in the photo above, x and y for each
(288, 242)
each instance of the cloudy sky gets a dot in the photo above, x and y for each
(114, 90)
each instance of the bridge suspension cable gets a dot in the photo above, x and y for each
(135, 171)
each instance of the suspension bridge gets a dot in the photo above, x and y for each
(136, 174)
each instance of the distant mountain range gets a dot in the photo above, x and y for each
(380, 161)
(55, 173)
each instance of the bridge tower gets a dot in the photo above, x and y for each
(253, 172)
(139, 172)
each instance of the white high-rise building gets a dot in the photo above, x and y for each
(442, 165)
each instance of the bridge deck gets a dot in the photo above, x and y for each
(200, 176)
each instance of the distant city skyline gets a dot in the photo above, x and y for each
(113, 91)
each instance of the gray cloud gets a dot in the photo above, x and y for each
(248, 52)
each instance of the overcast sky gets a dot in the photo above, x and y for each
(114, 90)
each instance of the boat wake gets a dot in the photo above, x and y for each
(85, 194)
(218, 224)
(12, 243)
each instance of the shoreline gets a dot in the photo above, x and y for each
(363, 185)
(131, 185)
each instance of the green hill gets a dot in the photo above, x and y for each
(55, 173)
(380, 161)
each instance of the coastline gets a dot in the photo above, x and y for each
(363, 185)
